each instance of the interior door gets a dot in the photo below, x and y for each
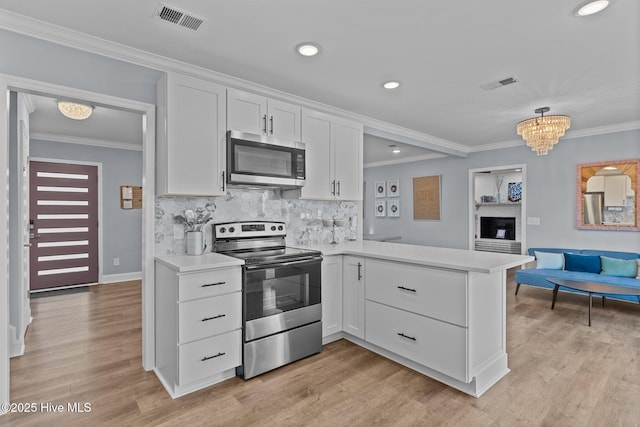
(23, 183)
(64, 224)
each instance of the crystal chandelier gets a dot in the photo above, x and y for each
(74, 110)
(542, 133)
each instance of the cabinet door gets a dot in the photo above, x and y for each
(192, 136)
(348, 160)
(284, 120)
(331, 295)
(246, 112)
(317, 134)
(353, 296)
(615, 190)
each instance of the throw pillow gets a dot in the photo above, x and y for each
(549, 261)
(638, 276)
(619, 267)
(585, 263)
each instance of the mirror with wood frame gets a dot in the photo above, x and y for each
(607, 195)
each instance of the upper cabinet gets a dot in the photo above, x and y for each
(334, 157)
(190, 147)
(248, 112)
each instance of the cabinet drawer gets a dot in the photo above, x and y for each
(209, 316)
(434, 344)
(201, 359)
(441, 294)
(209, 283)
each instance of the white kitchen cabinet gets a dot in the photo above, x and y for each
(198, 326)
(331, 295)
(353, 283)
(248, 112)
(334, 157)
(191, 125)
(615, 190)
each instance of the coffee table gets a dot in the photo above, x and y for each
(591, 288)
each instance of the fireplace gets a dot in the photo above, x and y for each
(496, 227)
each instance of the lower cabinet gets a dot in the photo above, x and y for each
(198, 327)
(353, 282)
(331, 295)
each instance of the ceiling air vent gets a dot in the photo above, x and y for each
(500, 83)
(179, 17)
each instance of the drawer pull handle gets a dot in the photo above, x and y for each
(407, 289)
(407, 336)
(214, 317)
(213, 284)
(204, 359)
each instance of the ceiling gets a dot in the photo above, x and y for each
(443, 55)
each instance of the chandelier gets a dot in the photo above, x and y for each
(542, 133)
(74, 110)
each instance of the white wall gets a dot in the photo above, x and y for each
(551, 192)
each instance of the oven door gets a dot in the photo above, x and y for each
(256, 160)
(282, 296)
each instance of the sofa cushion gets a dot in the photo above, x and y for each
(619, 267)
(611, 254)
(584, 263)
(638, 261)
(532, 251)
(549, 261)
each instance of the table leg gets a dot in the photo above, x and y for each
(590, 300)
(604, 299)
(555, 294)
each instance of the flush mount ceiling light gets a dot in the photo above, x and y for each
(391, 85)
(308, 49)
(592, 7)
(74, 110)
(394, 149)
(542, 133)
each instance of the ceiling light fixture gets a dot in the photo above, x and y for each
(542, 133)
(308, 49)
(592, 7)
(74, 110)
(391, 85)
(394, 149)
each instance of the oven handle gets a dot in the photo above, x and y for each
(304, 261)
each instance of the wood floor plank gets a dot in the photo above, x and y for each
(86, 347)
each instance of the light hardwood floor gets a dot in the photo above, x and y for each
(86, 347)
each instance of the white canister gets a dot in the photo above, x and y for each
(195, 243)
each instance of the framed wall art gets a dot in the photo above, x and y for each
(380, 189)
(393, 208)
(381, 208)
(393, 188)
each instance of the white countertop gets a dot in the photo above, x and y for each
(456, 259)
(188, 263)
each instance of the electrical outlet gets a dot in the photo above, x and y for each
(116, 261)
(178, 232)
(533, 220)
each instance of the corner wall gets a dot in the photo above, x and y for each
(550, 192)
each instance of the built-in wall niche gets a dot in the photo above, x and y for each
(497, 209)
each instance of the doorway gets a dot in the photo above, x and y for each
(18, 84)
(63, 207)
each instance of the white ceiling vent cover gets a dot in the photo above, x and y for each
(179, 17)
(500, 83)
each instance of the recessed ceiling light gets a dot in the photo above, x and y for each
(308, 49)
(394, 149)
(391, 85)
(592, 7)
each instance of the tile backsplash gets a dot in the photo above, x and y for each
(303, 217)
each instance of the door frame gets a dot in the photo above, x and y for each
(13, 83)
(523, 204)
(100, 231)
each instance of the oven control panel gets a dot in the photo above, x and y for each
(246, 229)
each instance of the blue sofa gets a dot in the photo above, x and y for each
(538, 277)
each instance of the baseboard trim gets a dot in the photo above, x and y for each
(122, 277)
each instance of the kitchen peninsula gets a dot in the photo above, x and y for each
(438, 311)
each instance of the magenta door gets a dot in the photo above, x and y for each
(63, 205)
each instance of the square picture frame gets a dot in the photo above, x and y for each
(381, 208)
(393, 208)
(393, 188)
(380, 189)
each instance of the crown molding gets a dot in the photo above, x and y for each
(405, 160)
(67, 139)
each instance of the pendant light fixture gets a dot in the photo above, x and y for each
(542, 133)
(74, 110)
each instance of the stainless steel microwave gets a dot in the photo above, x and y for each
(254, 160)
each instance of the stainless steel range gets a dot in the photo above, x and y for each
(282, 314)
